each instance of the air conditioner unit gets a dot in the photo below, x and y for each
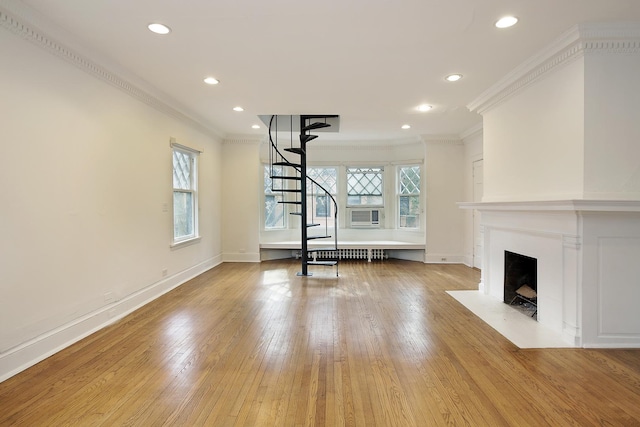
(365, 218)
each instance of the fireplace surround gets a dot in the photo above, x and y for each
(588, 274)
(561, 181)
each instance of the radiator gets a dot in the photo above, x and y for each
(368, 254)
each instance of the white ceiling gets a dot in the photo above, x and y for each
(370, 61)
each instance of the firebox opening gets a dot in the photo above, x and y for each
(521, 282)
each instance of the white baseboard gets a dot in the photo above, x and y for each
(406, 254)
(29, 353)
(241, 257)
(468, 261)
(443, 259)
(273, 254)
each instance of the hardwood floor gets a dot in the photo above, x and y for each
(383, 345)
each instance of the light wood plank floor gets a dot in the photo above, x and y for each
(383, 345)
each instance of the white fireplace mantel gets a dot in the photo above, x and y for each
(588, 254)
(557, 205)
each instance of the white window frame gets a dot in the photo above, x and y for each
(274, 193)
(330, 208)
(365, 206)
(193, 190)
(399, 196)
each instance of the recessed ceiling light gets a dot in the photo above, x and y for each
(211, 81)
(238, 108)
(506, 22)
(406, 127)
(159, 28)
(255, 127)
(424, 107)
(453, 77)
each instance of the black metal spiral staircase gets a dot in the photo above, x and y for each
(304, 187)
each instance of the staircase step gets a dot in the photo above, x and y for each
(295, 165)
(325, 249)
(295, 150)
(286, 190)
(307, 138)
(316, 125)
(313, 225)
(317, 237)
(322, 262)
(287, 202)
(293, 178)
(295, 213)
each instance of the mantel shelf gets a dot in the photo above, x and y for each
(556, 205)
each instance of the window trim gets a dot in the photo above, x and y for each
(399, 195)
(194, 155)
(382, 192)
(330, 209)
(275, 194)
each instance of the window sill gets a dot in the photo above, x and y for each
(186, 242)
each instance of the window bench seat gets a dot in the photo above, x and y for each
(343, 245)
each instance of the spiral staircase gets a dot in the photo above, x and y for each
(299, 191)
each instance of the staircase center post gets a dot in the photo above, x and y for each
(303, 195)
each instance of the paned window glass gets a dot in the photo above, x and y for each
(320, 207)
(185, 221)
(273, 210)
(409, 196)
(365, 186)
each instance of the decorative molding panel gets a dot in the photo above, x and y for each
(23, 29)
(617, 290)
(580, 40)
(571, 242)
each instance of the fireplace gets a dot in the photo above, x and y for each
(587, 254)
(520, 282)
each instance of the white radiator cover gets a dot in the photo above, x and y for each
(345, 254)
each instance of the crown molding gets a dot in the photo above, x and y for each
(245, 139)
(13, 18)
(472, 132)
(577, 42)
(366, 145)
(442, 140)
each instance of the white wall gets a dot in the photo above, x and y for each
(533, 142)
(241, 200)
(612, 137)
(86, 175)
(445, 187)
(472, 153)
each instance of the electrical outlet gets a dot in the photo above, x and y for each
(443, 259)
(165, 272)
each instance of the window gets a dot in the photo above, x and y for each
(322, 206)
(409, 196)
(185, 196)
(319, 204)
(365, 186)
(273, 210)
